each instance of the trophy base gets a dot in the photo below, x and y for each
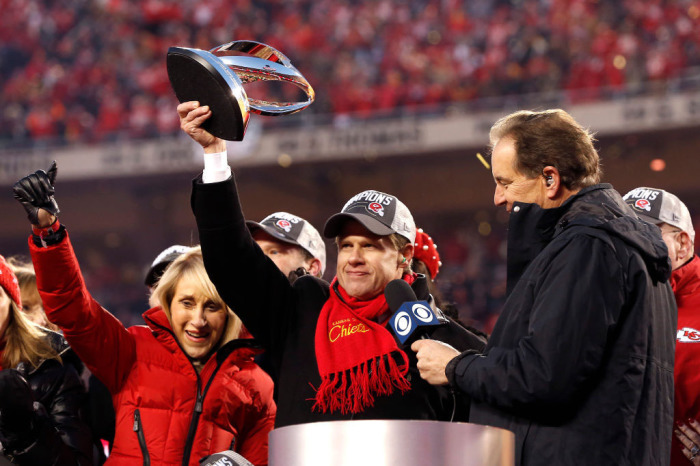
(198, 75)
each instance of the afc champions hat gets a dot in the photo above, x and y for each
(162, 261)
(658, 206)
(381, 213)
(294, 230)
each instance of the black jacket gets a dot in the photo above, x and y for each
(59, 398)
(282, 317)
(580, 363)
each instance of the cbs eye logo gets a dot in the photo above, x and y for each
(422, 312)
(403, 323)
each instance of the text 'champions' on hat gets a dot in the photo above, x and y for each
(293, 230)
(658, 206)
(381, 213)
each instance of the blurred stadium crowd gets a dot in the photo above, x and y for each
(94, 70)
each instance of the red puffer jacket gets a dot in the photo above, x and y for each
(685, 281)
(166, 413)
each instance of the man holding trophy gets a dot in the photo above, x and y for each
(331, 344)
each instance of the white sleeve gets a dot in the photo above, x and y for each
(216, 168)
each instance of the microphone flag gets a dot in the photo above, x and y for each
(410, 316)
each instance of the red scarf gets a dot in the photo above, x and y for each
(354, 353)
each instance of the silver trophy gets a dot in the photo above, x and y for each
(216, 78)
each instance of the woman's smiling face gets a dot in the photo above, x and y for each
(198, 321)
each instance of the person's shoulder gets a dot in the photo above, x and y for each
(54, 372)
(141, 332)
(582, 238)
(309, 283)
(62, 349)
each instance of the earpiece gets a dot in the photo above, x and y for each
(550, 181)
(403, 261)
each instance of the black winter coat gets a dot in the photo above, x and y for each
(282, 317)
(59, 398)
(580, 363)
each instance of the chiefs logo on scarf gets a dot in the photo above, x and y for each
(355, 355)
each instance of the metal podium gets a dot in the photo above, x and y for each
(391, 443)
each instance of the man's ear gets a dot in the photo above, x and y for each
(552, 182)
(407, 252)
(313, 266)
(687, 248)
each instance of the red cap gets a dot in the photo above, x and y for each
(426, 252)
(8, 280)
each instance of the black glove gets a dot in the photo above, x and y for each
(16, 411)
(36, 192)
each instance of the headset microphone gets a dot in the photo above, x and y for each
(411, 317)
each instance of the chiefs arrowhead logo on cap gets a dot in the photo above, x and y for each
(643, 204)
(376, 207)
(284, 224)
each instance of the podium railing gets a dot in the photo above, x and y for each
(389, 443)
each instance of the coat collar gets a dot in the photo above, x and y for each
(531, 228)
(57, 342)
(685, 279)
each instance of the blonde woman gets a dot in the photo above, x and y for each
(40, 397)
(31, 301)
(183, 386)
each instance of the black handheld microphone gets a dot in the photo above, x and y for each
(225, 458)
(411, 317)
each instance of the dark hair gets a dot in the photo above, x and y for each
(550, 137)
